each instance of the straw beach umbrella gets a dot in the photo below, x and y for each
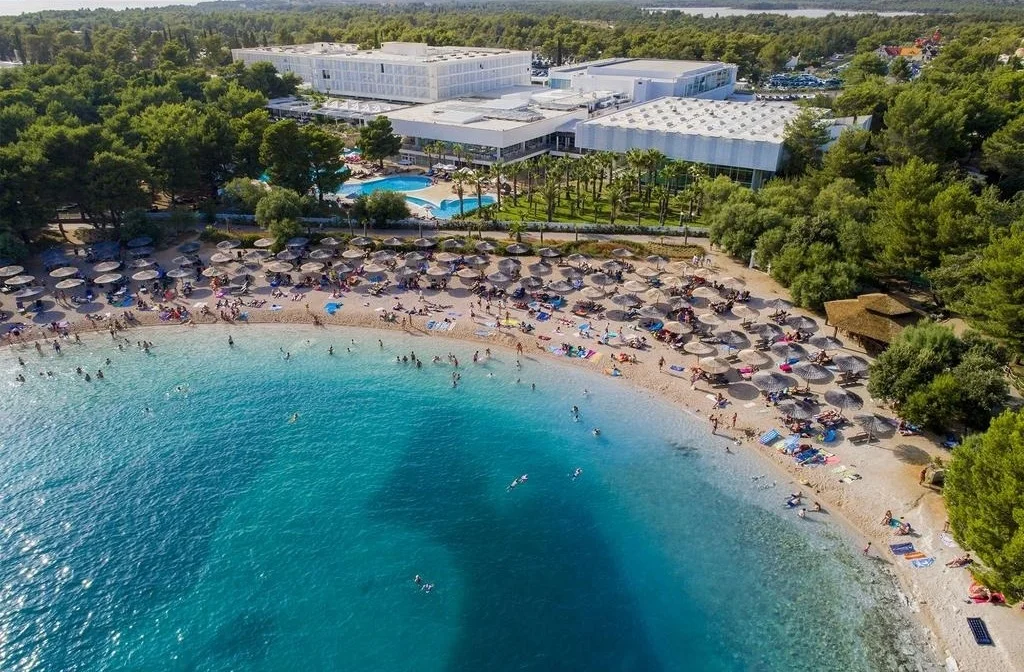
(315, 255)
(771, 381)
(312, 267)
(287, 255)
(799, 410)
(446, 257)
(438, 272)
(63, 272)
(19, 280)
(850, 363)
(373, 269)
(622, 253)
(277, 267)
(28, 292)
(221, 258)
(778, 304)
(143, 276)
(651, 312)
(635, 286)
(648, 272)
(297, 241)
(745, 312)
(468, 274)
(361, 241)
(788, 350)
(612, 266)
(330, 242)
(213, 271)
(600, 279)
(811, 372)
(106, 267)
(592, 293)
(710, 319)
(655, 259)
(680, 328)
(193, 246)
(353, 254)
(826, 342)
(733, 338)
(754, 357)
(714, 364)
(263, 242)
(875, 425)
(70, 283)
(229, 244)
(108, 278)
(698, 348)
(516, 248)
(179, 273)
(539, 268)
(509, 266)
(576, 258)
(656, 295)
(560, 287)
(498, 278)
(140, 263)
(392, 242)
(844, 400)
(141, 241)
(424, 242)
(8, 271)
(801, 323)
(486, 247)
(626, 300)
(706, 292)
(548, 253)
(452, 243)
(531, 282)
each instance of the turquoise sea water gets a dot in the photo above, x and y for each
(210, 533)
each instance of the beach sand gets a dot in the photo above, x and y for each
(889, 468)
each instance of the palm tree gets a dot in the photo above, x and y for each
(516, 230)
(660, 193)
(551, 192)
(499, 169)
(698, 175)
(532, 171)
(460, 155)
(636, 159)
(671, 174)
(607, 162)
(459, 179)
(476, 179)
(614, 195)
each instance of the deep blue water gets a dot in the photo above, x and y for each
(210, 533)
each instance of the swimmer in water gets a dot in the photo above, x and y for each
(231, 342)
(577, 473)
(294, 418)
(418, 579)
(427, 587)
(597, 432)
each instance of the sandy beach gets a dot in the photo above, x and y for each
(888, 468)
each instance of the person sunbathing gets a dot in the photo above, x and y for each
(962, 561)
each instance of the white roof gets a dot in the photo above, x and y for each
(640, 67)
(407, 52)
(758, 120)
(486, 114)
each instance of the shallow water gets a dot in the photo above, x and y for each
(210, 533)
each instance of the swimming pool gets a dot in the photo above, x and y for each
(393, 183)
(449, 207)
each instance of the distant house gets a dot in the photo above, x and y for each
(873, 319)
(792, 62)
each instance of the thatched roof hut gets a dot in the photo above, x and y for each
(872, 318)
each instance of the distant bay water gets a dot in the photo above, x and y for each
(14, 7)
(171, 517)
(807, 13)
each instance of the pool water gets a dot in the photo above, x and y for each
(393, 183)
(449, 207)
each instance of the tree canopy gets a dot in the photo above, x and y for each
(377, 140)
(984, 493)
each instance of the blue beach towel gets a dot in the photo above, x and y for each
(923, 562)
(332, 308)
(901, 549)
(676, 367)
(543, 317)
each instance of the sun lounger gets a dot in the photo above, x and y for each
(863, 437)
(980, 631)
(770, 437)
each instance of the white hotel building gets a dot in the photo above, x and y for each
(480, 101)
(398, 71)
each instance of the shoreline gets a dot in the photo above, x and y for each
(926, 606)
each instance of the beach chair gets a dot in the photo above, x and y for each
(769, 437)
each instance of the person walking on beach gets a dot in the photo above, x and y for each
(734, 420)
(867, 549)
(714, 424)
(661, 363)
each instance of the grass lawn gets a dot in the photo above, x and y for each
(627, 214)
